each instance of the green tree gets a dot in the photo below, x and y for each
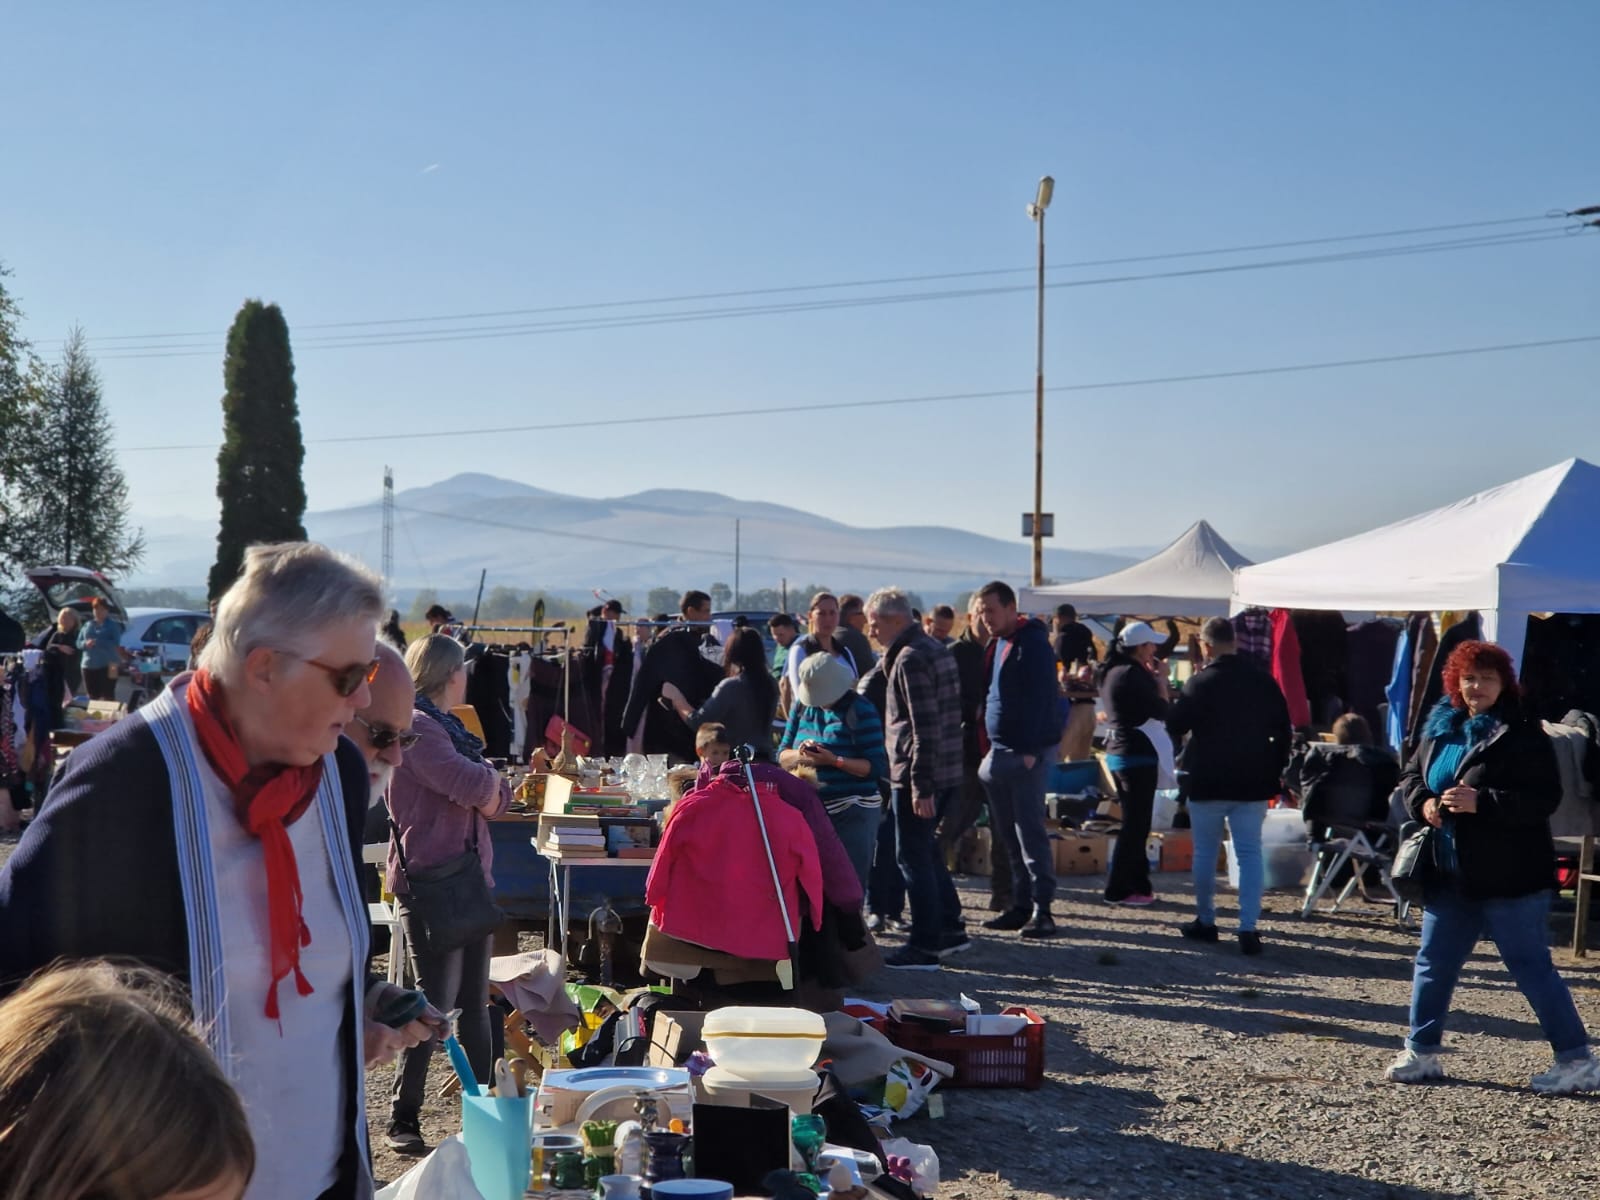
(77, 497)
(663, 600)
(721, 595)
(258, 468)
(21, 383)
(426, 599)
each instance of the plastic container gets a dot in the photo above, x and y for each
(798, 1091)
(1014, 1061)
(764, 1043)
(692, 1189)
(1284, 864)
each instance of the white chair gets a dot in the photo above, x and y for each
(386, 913)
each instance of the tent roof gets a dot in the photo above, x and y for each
(1193, 577)
(1523, 546)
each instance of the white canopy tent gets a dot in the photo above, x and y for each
(1193, 577)
(1525, 547)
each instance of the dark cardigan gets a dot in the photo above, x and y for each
(96, 875)
(1505, 849)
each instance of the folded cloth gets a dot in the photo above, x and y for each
(535, 984)
(861, 1054)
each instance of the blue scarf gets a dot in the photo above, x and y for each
(1454, 732)
(1448, 721)
(467, 745)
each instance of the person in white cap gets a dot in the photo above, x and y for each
(1134, 695)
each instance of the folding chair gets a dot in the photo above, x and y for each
(386, 913)
(1341, 786)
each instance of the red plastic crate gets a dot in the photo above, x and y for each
(980, 1060)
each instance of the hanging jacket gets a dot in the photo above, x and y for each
(711, 883)
(841, 886)
(1286, 667)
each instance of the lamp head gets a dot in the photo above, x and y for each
(1047, 187)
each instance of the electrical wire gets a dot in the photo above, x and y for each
(495, 332)
(780, 410)
(856, 283)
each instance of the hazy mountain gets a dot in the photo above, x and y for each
(528, 537)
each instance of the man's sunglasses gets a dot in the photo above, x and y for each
(382, 739)
(346, 680)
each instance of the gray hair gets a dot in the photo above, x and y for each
(287, 594)
(890, 602)
(432, 660)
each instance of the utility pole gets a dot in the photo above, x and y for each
(1036, 211)
(388, 531)
(736, 550)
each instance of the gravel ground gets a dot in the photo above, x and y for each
(1180, 1070)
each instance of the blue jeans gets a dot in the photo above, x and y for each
(1244, 819)
(857, 827)
(1451, 927)
(1016, 816)
(886, 890)
(935, 907)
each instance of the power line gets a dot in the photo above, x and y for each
(856, 283)
(482, 333)
(1104, 385)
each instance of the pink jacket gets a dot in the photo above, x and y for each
(439, 799)
(710, 883)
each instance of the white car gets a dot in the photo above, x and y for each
(163, 632)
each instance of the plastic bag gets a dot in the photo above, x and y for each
(907, 1086)
(446, 1174)
(924, 1163)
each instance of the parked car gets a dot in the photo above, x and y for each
(77, 588)
(163, 632)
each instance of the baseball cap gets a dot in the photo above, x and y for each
(1139, 633)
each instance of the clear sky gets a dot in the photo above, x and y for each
(160, 163)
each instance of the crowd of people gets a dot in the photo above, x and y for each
(240, 800)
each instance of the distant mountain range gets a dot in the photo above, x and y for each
(528, 537)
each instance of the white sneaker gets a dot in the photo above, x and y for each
(1413, 1066)
(1574, 1075)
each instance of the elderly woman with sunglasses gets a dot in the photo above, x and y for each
(441, 796)
(215, 836)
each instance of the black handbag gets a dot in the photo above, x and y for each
(1413, 868)
(448, 905)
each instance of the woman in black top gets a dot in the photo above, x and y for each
(63, 671)
(1133, 692)
(745, 702)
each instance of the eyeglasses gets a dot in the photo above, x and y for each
(382, 739)
(346, 680)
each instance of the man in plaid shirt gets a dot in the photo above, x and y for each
(923, 736)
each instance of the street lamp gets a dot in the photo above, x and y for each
(1041, 201)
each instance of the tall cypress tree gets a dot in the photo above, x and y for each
(258, 468)
(78, 496)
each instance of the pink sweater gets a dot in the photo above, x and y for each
(710, 883)
(439, 798)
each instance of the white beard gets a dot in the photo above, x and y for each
(381, 774)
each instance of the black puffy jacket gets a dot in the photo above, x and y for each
(1504, 848)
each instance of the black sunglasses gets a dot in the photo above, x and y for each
(346, 680)
(382, 739)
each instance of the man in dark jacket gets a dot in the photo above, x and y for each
(674, 657)
(1239, 733)
(923, 738)
(969, 650)
(1022, 718)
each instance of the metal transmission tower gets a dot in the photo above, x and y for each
(388, 529)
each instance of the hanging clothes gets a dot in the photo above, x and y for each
(1286, 667)
(1324, 647)
(1369, 665)
(519, 686)
(1398, 693)
(1468, 629)
(1252, 631)
(1425, 649)
(489, 693)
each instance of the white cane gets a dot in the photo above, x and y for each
(786, 970)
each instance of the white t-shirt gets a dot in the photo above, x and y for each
(292, 1083)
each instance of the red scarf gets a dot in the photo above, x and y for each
(266, 799)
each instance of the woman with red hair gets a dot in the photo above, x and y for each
(1484, 776)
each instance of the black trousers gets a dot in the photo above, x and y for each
(99, 683)
(1130, 868)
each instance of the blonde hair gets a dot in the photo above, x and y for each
(288, 594)
(432, 661)
(77, 621)
(107, 1092)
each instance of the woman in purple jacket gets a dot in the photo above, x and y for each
(442, 795)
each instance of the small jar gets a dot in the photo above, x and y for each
(567, 1172)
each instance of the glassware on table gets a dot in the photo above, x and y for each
(810, 1133)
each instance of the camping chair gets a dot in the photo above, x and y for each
(386, 912)
(1339, 800)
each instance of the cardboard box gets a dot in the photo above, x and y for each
(674, 1036)
(975, 854)
(1177, 850)
(1080, 853)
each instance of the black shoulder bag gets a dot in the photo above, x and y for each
(449, 905)
(1413, 868)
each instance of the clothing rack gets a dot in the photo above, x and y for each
(565, 631)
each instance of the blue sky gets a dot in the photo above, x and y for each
(358, 162)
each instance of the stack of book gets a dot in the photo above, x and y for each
(575, 841)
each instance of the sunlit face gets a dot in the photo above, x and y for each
(976, 623)
(1481, 688)
(940, 627)
(715, 755)
(825, 618)
(296, 713)
(389, 713)
(1001, 619)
